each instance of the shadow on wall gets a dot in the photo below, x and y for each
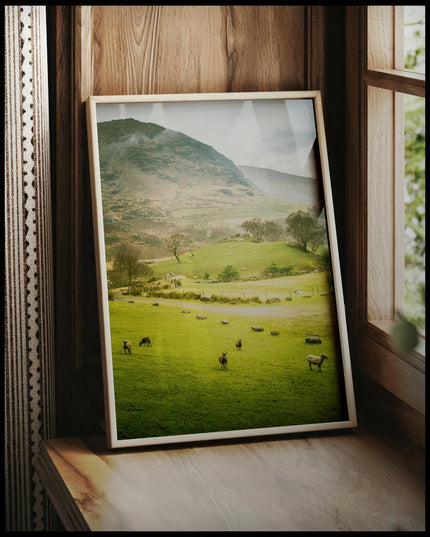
(87, 405)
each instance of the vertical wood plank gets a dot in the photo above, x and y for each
(59, 35)
(316, 35)
(380, 37)
(124, 41)
(356, 188)
(399, 204)
(86, 342)
(380, 206)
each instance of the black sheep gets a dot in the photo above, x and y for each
(146, 342)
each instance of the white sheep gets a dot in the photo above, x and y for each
(316, 360)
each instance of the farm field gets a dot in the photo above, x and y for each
(287, 287)
(177, 386)
(250, 258)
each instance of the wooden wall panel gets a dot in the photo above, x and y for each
(108, 50)
(189, 49)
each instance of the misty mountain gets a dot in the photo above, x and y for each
(172, 155)
(289, 187)
(156, 181)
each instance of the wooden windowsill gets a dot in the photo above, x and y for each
(343, 481)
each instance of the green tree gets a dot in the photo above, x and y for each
(415, 41)
(306, 229)
(274, 270)
(229, 274)
(126, 266)
(176, 244)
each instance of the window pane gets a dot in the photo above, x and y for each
(414, 38)
(414, 307)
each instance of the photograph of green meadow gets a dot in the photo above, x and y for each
(222, 313)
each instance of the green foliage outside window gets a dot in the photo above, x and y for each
(415, 210)
(414, 308)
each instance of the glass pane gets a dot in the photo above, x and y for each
(415, 210)
(414, 34)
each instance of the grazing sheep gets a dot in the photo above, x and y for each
(275, 332)
(223, 359)
(257, 328)
(201, 316)
(238, 344)
(316, 360)
(127, 346)
(313, 339)
(224, 321)
(146, 342)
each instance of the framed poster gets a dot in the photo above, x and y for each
(221, 304)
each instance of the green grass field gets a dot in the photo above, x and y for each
(177, 386)
(250, 259)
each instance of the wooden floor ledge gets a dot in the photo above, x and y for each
(337, 482)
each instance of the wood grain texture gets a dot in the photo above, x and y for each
(394, 421)
(380, 205)
(316, 51)
(333, 483)
(380, 41)
(401, 81)
(196, 49)
(401, 378)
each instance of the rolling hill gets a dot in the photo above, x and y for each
(250, 259)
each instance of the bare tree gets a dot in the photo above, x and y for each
(176, 244)
(272, 231)
(254, 228)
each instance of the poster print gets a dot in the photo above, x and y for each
(221, 307)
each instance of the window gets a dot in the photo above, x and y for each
(396, 166)
(385, 144)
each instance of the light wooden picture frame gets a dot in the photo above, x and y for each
(220, 294)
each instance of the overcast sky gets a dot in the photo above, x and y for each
(275, 134)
